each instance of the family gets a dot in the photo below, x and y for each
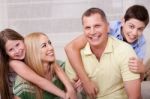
(105, 62)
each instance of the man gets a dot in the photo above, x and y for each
(102, 61)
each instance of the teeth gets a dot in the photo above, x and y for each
(95, 38)
(50, 53)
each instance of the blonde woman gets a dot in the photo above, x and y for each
(41, 59)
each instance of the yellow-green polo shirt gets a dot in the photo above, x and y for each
(111, 71)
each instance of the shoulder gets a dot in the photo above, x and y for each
(119, 43)
(141, 40)
(21, 86)
(121, 46)
(114, 26)
(15, 62)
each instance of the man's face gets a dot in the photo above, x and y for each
(95, 29)
(132, 29)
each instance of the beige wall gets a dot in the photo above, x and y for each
(60, 19)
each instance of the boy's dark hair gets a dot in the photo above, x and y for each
(138, 12)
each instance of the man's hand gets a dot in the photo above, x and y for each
(90, 88)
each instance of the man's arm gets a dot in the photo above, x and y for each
(73, 54)
(133, 89)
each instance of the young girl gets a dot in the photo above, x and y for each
(13, 53)
(40, 58)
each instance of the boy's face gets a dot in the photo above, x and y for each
(132, 29)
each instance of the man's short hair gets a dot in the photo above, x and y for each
(92, 11)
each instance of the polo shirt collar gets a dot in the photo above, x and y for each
(108, 49)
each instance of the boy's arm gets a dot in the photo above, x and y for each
(73, 54)
(25, 72)
(133, 89)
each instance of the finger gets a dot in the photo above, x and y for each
(76, 78)
(93, 94)
(78, 84)
(92, 97)
(132, 58)
(134, 69)
(131, 61)
(96, 91)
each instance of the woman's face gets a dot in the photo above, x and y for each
(15, 49)
(47, 51)
(132, 29)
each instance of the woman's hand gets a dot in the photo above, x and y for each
(71, 93)
(77, 85)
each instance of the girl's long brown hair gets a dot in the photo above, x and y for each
(5, 35)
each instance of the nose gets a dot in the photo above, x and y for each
(93, 31)
(50, 47)
(16, 50)
(135, 32)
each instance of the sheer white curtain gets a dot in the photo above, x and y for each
(59, 19)
(3, 14)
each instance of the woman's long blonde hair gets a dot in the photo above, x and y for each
(33, 58)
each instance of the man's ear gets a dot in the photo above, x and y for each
(122, 21)
(108, 29)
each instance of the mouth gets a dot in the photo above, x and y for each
(20, 53)
(50, 54)
(133, 38)
(95, 37)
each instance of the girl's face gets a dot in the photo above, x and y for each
(47, 51)
(15, 49)
(132, 29)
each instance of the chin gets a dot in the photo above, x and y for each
(131, 41)
(52, 60)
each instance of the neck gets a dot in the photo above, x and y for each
(47, 70)
(98, 50)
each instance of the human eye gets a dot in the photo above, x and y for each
(10, 49)
(43, 45)
(131, 26)
(17, 44)
(49, 42)
(87, 27)
(97, 26)
(141, 29)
